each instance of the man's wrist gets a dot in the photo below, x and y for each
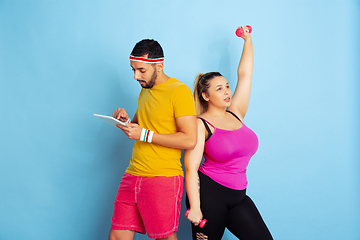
(146, 135)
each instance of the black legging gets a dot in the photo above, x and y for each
(223, 207)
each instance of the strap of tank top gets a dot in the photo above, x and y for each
(234, 115)
(207, 128)
(206, 122)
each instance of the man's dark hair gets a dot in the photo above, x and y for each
(148, 47)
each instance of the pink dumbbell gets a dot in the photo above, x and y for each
(202, 221)
(240, 31)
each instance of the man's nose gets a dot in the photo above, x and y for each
(136, 75)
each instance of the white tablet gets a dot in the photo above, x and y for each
(110, 120)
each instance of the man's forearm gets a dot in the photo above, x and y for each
(177, 140)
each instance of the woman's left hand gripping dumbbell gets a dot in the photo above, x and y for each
(195, 217)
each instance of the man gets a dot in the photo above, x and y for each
(148, 199)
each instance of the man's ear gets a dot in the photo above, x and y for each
(159, 66)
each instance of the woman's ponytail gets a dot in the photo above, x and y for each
(197, 96)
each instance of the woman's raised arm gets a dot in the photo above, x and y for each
(241, 96)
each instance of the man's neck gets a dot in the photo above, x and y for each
(162, 77)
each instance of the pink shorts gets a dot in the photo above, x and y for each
(148, 205)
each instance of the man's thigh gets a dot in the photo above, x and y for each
(126, 215)
(158, 200)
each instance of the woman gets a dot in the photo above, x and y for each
(217, 190)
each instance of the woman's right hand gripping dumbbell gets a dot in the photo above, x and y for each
(195, 217)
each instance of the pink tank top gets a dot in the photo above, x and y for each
(227, 154)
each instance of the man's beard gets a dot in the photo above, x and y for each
(152, 81)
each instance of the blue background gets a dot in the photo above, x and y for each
(63, 61)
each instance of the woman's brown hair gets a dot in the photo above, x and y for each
(201, 85)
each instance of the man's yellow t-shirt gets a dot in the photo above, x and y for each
(157, 109)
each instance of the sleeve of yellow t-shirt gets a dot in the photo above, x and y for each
(183, 102)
